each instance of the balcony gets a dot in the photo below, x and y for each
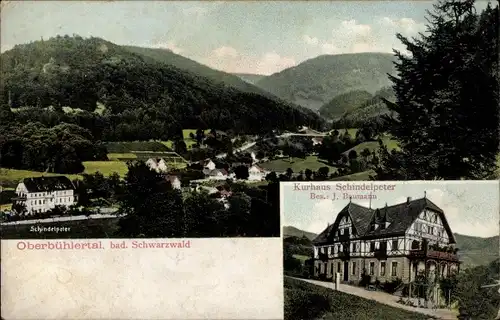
(344, 255)
(380, 254)
(432, 254)
(323, 257)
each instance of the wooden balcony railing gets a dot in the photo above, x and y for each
(432, 254)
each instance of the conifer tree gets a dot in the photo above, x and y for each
(446, 114)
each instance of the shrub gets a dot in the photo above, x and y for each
(391, 286)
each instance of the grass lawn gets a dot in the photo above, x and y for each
(307, 301)
(80, 229)
(302, 258)
(373, 145)
(359, 176)
(121, 156)
(297, 164)
(106, 167)
(11, 177)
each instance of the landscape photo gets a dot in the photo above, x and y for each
(172, 119)
(391, 250)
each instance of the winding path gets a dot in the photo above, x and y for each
(384, 298)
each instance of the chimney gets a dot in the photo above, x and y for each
(408, 200)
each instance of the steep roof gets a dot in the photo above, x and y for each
(41, 184)
(400, 218)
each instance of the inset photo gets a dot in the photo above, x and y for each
(391, 250)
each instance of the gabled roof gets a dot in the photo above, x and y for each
(42, 184)
(400, 217)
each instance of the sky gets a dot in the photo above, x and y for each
(260, 37)
(471, 207)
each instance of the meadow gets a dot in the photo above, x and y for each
(307, 301)
(296, 164)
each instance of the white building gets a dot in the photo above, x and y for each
(209, 164)
(174, 181)
(157, 165)
(152, 164)
(218, 174)
(256, 173)
(45, 193)
(162, 166)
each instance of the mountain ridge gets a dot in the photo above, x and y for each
(316, 81)
(78, 72)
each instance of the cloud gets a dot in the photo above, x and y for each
(230, 60)
(225, 52)
(405, 26)
(350, 36)
(310, 40)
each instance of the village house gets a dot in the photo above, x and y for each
(317, 141)
(402, 241)
(256, 173)
(174, 181)
(208, 164)
(159, 165)
(42, 194)
(218, 174)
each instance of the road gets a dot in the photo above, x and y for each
(386, 299)
(284, 135)
(60, 219)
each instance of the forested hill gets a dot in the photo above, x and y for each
(79, 73)
(315, 82)
(168, 57)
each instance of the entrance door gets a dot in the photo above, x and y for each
(346, 270)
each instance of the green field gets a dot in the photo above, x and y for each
(187, 139)
(300, 257)
(11, 177)
(80, 229)
(121, 156)
(106, 167)
(359, 176)
(296, 164)
(307, 301)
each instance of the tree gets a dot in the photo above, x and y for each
(474, 300)
(308, 173)
(152, 207)
(366, 153)
(180, 146)
(446, 110)
(322, 173)
(289, 173)
(201, 215)
(241, 172)
(353, 155)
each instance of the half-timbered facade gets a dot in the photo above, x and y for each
(399, 241)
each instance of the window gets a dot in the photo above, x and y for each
(341, 232)
(338, 267)
(354, 247)
(372, 268)
(382, 268)
(353, 268)
(350, 230)
(372, 246)
(394, 271)
(341, 248)
(322, 250)
(394, 245)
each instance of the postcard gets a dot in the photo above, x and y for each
(390, 249)
(143, 144)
